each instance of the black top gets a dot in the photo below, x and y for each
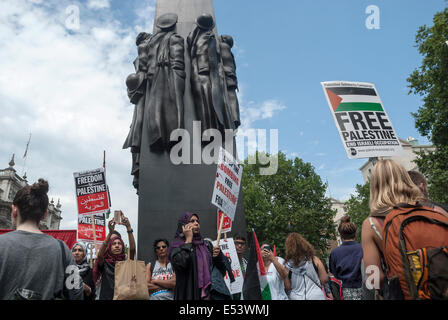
(107, 281)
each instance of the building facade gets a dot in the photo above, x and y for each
(10, 184)
(406, 159)
(340, 212)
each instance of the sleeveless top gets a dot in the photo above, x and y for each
(305, 283)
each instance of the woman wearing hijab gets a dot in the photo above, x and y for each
(110, 253)
(199, 267)
(79, 251)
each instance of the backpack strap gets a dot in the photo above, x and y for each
(375, 229)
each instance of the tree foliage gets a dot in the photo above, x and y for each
(292, 200)
(357, 207)
(430, 81)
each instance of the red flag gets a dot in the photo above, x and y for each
(275, 252)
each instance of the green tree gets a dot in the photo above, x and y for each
(292, 200)
(430, 81)
(357, 207)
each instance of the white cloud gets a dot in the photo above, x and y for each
(253, 112)
(98, 4)
(145, 17)
(68, 89)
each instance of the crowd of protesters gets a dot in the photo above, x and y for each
(190, 268)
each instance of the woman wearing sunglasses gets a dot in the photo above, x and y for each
(160, 275)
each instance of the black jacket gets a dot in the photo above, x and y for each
(183, 260)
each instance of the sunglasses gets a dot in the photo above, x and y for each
(161, 247)
(240, 243)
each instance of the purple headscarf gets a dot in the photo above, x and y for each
(202, 253)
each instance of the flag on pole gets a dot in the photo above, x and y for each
(275, 251)
(256, 286)
(27, 145)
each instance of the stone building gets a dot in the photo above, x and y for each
(340, 212)
(10, 184)
(406, 159)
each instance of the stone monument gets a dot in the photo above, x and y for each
(185, 75)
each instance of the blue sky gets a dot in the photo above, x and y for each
(67, 86)
(289, 47)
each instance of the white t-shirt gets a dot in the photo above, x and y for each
(276, 283)
(161, 273)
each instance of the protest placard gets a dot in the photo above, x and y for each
(227, 183)
(227, 223)
(228, 249)
(363, 124)
(85, 228)
(91, 191)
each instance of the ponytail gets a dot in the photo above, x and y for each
(32, 201)
(347, 229)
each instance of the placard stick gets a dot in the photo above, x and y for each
(225, 236)
(92, 248)
(221, 221)
(94, 233)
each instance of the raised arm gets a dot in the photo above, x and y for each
(127, 224)
(100, 255)
(281, 269)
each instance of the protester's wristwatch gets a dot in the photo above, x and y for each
(130, 231)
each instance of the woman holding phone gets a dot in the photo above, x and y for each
(199, 267)
(112, 251)
(276, 272)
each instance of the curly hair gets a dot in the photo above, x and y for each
(298, 249)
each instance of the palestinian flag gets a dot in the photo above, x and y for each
(353, 99)
(256, 286)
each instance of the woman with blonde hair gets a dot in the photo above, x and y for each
(390, 186)
(307, 273)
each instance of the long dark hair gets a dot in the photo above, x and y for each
(32, 201)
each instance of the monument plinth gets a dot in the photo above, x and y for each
(206, 76)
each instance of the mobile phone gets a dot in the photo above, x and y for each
(117, 216)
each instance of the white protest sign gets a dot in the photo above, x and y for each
(227, 183)
(364, 126)
(228, 249)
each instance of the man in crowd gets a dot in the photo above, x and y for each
(420, 181)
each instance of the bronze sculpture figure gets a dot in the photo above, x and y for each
(207, 77)
(228, 61)
(156, 89)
